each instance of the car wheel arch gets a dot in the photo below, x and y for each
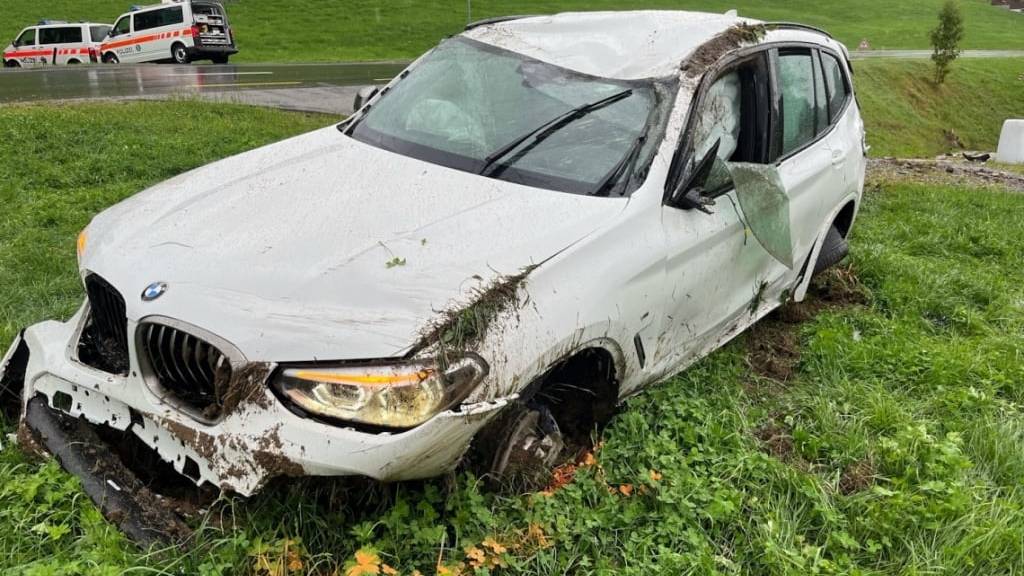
(555, 396)
(12, 377)
(843, 221)
(593, 369)
(847, 211)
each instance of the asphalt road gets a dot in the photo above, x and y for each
(161, 81)
(327, 88)
(918, 54)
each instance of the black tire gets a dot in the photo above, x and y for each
(518, 450)
(73, 62)
(179, 54)
(12, 64)
(832, 252)
(220, 59)
(111, 58)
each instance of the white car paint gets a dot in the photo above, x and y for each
(281, 255)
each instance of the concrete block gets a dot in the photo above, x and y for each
(1011, 143)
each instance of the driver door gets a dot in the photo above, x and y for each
(120, 39)
(718, 272)
(28, 48)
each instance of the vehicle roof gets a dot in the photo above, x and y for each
(64, 25)
(622, 45)
(170, 4)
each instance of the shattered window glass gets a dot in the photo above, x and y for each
(719, 121)
(466, 100)
(765, 205)
(796, 80)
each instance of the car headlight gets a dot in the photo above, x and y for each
(83, 241)
(393, 396)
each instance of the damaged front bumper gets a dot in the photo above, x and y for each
(258, 440)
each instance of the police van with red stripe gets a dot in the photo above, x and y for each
(56, 42)
(173, 31)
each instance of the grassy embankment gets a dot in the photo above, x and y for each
(878, 431)
(907, 115)
(316, 31)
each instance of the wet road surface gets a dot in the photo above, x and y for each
(113, 81)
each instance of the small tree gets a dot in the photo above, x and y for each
(946, 39)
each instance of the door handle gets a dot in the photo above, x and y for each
(838, 158)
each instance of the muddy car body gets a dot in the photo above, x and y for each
(368, 298)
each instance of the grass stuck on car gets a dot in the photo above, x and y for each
(535, 220)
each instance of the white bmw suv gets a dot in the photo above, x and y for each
(535, 220)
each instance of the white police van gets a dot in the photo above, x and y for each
(177, 32)
(56, 42)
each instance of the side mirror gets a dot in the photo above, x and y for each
(363, 96)
(690, 193)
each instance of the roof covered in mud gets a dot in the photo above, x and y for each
(622, 45)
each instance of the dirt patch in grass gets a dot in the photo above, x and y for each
(857, 476)
(838, 287)
(774, 342)
(774, 349)
(776, 440)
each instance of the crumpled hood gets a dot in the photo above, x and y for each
(321, 247)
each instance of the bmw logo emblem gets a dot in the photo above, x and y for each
(154, 291)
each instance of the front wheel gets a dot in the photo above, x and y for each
(179, 54)
(111, 58)
(12, 64)
(519, 449)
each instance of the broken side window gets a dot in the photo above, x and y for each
(734, 113)
(796, 86)
(765, 205)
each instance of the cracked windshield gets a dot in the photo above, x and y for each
(465, 101)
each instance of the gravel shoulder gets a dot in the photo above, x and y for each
(945, 171)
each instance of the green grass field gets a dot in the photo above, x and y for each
(884, 435)
(305, 30)
(907, 115)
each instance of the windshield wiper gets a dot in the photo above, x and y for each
(542, 132)
(623, 171)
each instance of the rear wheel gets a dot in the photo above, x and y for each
(111, 58)
(219, 59)
(179, 54)
(72, 62)
(832, 252)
